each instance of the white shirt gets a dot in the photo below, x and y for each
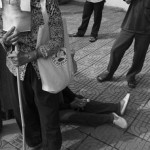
(94, 1)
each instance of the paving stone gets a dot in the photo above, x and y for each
(8, 147)
(128, 119)
(82, 78)
(72, 138)
(101, 98)
(107, 134)
(10, 128)
(114, 95)
(3, 143)
(93, 144)
(96, 54)
(70, 9)
(97, 48)
(146, 146)
(133, 109)
(89, 92)
(130, 142)
(80, 43)
(144, 114)
(75, 86)
(140, 129)
(144, 82)
(85, 129)
(139, 97)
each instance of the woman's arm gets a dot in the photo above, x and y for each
(56, 31)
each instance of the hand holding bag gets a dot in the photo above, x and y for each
(56, 71)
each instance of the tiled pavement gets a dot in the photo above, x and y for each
(92, 59)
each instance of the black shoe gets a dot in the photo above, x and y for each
(132, 83)
(105, 76)
(93, 39)
(77, 35)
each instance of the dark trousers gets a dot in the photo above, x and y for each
(0, 117)
(87, 12)
(41, 112)
(120, 46)
(94, 114)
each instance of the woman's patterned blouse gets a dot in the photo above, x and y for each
(28, 40)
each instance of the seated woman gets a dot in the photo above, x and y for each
(75, 109)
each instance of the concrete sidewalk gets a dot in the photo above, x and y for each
(92, 59)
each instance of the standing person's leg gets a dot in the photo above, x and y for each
(122, 43)
(42, 124)
(31, 115)
(87, 12)
(0, 117)
(140, 49)
(48, 108)
(98, 9)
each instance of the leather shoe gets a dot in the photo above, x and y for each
(132, 83)
(76, 35)
(105, 76)
(93, 39)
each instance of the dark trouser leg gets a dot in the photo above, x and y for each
(48, 107)
(84, 118)
(0, 117)
(98, 8)
(101, 108)
(31, 116)
(95, 114)
(122, 43)
(87, 12)
(140, 49)
(40, 113)
(69, 94)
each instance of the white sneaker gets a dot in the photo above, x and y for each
(124, 103)
(119, 121)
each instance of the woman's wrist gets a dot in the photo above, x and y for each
(32, 55)
(39, 53)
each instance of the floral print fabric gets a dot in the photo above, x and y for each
(28, 40)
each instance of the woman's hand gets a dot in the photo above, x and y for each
(21, 58)
(79, 103)
(11, 37)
